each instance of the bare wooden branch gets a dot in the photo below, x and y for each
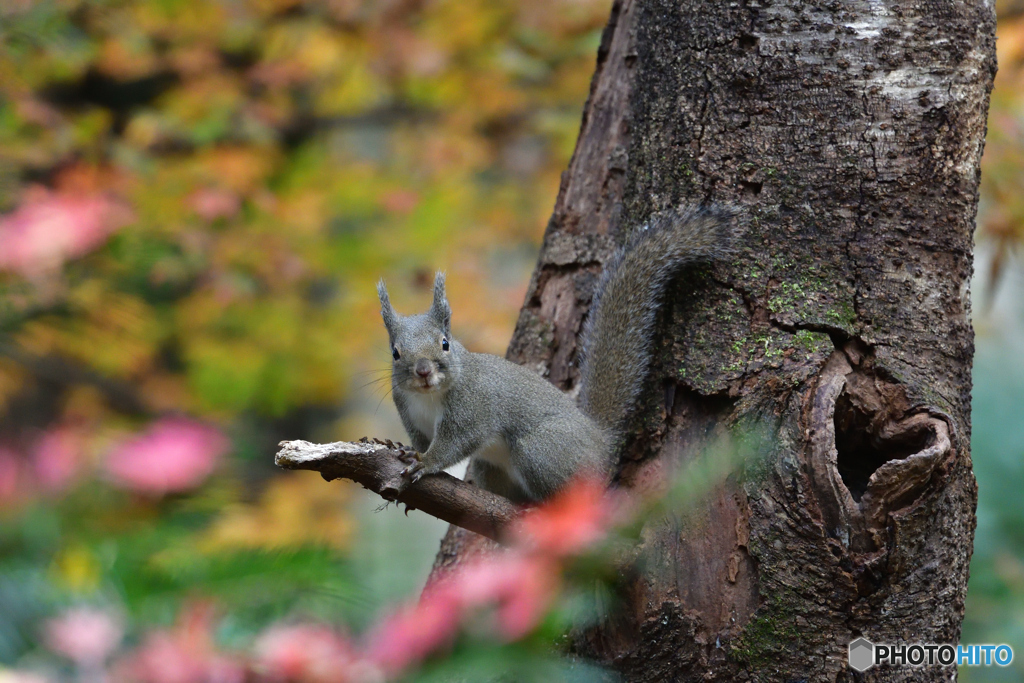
(377, 467)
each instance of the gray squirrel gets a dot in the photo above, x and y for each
(525, 437)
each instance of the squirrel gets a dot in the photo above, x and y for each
(525, 437)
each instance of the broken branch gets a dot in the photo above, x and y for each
(377, 467)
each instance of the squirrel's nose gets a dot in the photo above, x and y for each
(423, 368)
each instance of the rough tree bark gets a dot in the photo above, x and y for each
(851, 132)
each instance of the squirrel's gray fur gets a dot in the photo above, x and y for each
(527, 438)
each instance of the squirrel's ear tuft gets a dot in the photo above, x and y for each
(386, 310)
(440, 310)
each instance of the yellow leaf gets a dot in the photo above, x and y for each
(77, 569)
(295, 510)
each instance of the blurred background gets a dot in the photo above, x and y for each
(196, 199)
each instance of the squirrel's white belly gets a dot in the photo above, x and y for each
(424, 411)
(496, 453)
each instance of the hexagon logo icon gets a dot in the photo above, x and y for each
(862, 654)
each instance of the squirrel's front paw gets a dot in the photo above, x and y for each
(414, 472)
(408, 455)
(414, 465)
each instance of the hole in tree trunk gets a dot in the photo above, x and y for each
(747, 41)
(750, 188)
(866, 440)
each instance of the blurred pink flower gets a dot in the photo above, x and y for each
(400, 201)
(519, 587)
(573, 519)
(86, 636)
(49, 229)
(32, 110)
(279, 74)
(56, 457)
(408, 635)
(173, 455)
(11, 478)
(183, 654)
(166, 657)
(308, 653)
(520, 584)
(212, 203)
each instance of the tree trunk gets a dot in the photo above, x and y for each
(851, 134)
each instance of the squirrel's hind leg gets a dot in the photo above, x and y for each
(496, 480)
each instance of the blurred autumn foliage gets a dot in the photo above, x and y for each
(499, 599)
(222, 181)
(196, 197)
(1001, 220)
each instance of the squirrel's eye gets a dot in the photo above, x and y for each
(444, 344)
(394, 353)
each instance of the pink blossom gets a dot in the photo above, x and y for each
(519, 587)
(183, 654)
(278, 74)
(35, 111)
(410, 634)
(50, 229)
(308, 652)
(400, 201)
(56, 458)
(11, 476)
(166, 657)
(212, 203)
(84, 635)
(573, 519)
(173, 455)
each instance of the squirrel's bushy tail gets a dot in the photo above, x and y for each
(618, 335)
